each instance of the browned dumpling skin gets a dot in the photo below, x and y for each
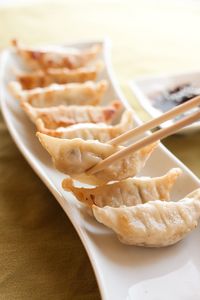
(87, 93)
(90, 131)
(153, 224)
(62, 116)
(56, 57)
(74, 157)
(43, 78)
(128, 192)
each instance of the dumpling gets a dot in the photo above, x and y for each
(75, 157)
(87, 93)
(128, 192)
(56, 57)
(153, 224)
(90, 131)
(62, 116)
(43, 78)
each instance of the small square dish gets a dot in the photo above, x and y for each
(161, 93)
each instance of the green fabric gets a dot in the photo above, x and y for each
(187, 149)
(41, 256)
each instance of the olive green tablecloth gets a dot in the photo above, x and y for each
(41, 256)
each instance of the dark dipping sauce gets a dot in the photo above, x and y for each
(173, 97)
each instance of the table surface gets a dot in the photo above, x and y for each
(41, 255)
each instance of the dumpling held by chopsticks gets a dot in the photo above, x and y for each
(74, 157)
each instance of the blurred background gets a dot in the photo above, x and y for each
(148, 36)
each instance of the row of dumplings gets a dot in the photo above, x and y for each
(61, 96)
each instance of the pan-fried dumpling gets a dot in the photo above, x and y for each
(87, 93)
(43, 78)
(56, 57)
(153, 224)
(75, 157)
(128, 192)
(62, 116)
(90, 131)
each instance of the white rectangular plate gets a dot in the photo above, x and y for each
(122, 272)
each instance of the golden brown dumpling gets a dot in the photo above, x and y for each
(87, 93)
(56, 57)
(128, 192)
(61, 116)
(43, 78)
(90, 131)
(153, 224)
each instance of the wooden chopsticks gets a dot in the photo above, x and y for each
(172, 113)
(156, 136)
